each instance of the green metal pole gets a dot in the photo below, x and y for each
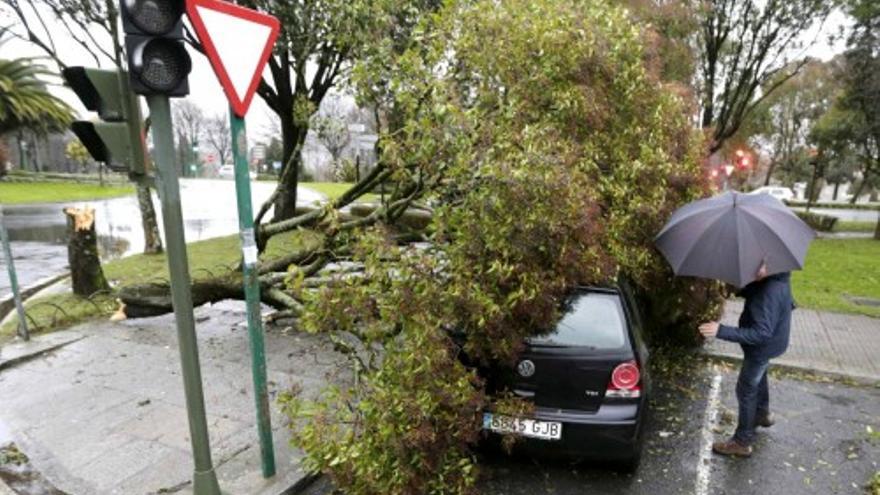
(204, 477)
(252, 291)
(13, 280)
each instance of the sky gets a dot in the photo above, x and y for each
(206, 92)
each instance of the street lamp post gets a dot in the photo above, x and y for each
(194, 157)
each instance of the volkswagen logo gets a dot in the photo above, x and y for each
(525, 368)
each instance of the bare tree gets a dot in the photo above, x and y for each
(331, 126)
(744, 45)
(218, 137)
(782, 122)
(315, 48)
(94, 26)
(189, 125)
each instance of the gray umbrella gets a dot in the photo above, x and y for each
(726, 237)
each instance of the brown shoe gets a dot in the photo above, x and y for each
(765, 420)
(732, 447)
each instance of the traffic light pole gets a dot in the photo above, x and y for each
(13, 280)
(204, 477)
(252, 291)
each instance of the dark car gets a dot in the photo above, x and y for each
(588, 379)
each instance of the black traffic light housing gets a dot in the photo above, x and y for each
(116, 137)
(157, 59)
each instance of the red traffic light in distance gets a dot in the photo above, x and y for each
(742, 159)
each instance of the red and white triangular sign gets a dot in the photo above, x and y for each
(238, 42)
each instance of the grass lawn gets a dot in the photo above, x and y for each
(836, 268)
(207, 258)
(335, 189)
(53, 192)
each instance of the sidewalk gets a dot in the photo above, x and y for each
(836, 343)
(104, 413)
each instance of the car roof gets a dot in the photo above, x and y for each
(597, 288)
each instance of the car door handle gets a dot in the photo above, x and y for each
(524, 393)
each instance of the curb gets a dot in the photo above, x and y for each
(39, 348)
(7, 304)
(301, 485)
(861, 380)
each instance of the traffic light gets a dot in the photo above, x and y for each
(117, 137)
(743, 159)
(157, 59)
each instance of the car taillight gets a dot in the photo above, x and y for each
(625, 381)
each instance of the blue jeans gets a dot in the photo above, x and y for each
(753, 396)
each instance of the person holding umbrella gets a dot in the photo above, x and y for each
(763, 333)
(752, 242)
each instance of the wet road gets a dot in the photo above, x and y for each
(38, 232)
(821, 444)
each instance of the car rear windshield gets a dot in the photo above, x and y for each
(591, 319)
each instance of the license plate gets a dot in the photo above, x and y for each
(545, 430)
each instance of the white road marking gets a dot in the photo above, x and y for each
(704, 467)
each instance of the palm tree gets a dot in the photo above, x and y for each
(25, 102)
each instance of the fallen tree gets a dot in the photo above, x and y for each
(333, 220)
(552, 157)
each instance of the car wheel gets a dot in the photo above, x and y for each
(631, 464)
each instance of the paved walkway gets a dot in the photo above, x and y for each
(105, 412)
(842, 344)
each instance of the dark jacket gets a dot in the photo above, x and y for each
(765, 323)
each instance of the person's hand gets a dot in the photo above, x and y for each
(709, 330)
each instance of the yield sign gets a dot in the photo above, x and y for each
(238, 42)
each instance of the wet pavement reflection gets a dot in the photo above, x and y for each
(38, 233)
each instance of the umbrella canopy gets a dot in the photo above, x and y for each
(727, 237)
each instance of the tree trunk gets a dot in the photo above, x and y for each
(858, 191)
(836, 187)
(143, 301)
(285, 202)
(82, 252)
(769, 172)
(152, 241)
(877, 229)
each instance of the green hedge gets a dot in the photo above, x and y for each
(822, 223)
(28, 176)
(837, 206)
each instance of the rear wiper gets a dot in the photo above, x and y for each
(561, 346)
(546, 344)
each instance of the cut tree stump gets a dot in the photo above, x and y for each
(82, 252)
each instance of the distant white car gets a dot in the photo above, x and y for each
(780, 193)
(228, 172)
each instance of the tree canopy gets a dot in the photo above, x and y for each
(25, 100)
(850, 129)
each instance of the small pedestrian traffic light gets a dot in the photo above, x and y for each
(157, 58)
(116, 137)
